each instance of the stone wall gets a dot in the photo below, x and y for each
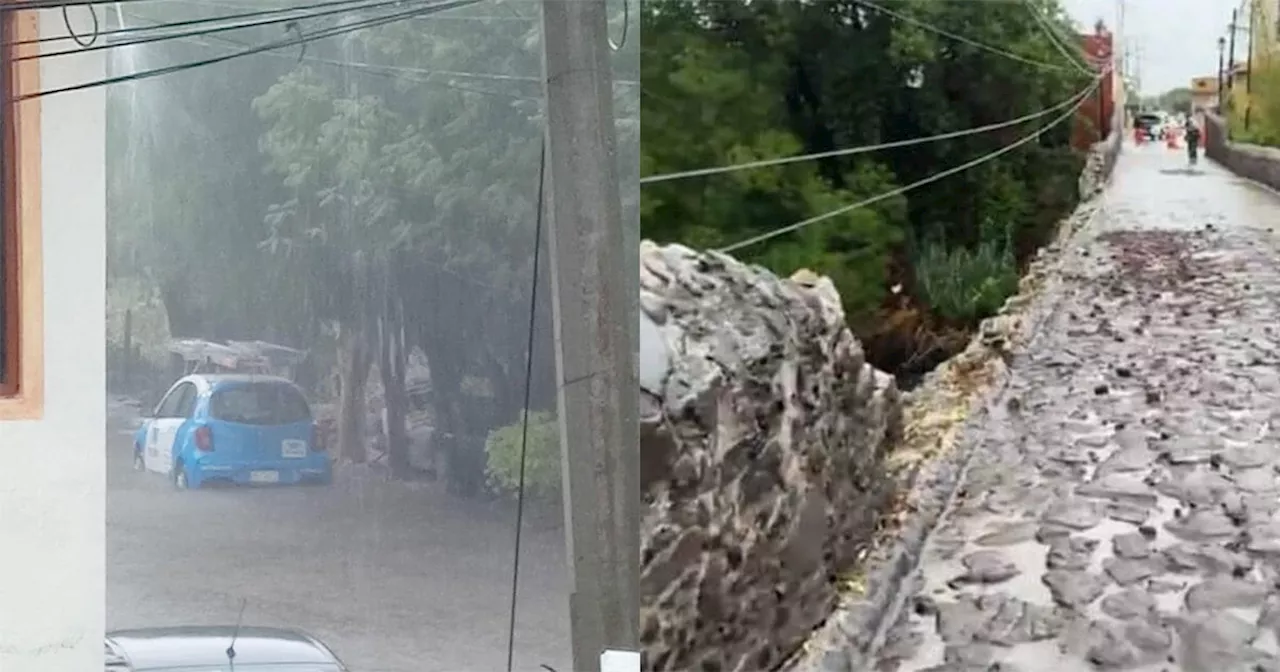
(1102, 159)
(764, 436)
(927, 463)
(1260, 164)
(771, 452)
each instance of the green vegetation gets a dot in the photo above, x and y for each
(732, 81)
(362, 212)
(1263, 107)
(542, 456)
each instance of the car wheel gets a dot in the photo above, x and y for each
(180, 477)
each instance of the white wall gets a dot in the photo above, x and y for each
(52, 478)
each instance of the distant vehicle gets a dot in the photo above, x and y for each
(205, 649)
(1154, 124)
(237, 428)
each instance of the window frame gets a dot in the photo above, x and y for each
(22, 390)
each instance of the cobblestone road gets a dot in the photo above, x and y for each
(1122, 510)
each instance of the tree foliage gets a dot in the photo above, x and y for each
(372, 195)
(732, 81)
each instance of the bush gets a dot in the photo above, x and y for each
(967, 284)
(542, 457)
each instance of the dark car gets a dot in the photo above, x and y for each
(205, 649)
(1151, 124)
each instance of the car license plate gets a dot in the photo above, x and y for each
(264, 477)
(293, 448)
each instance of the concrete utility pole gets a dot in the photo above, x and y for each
(1248, 70)
(596, 305)
(1231, 49)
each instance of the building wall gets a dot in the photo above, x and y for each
(52, 478)
(1095, 115)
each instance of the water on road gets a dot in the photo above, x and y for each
(394, 578)
(1121, 510)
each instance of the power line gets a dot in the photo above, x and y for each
(236, 5)
(1078, 101)
(416, 75)
(191, 22)
(764, 163)
(296, 41)
(353, 64)
(528, 397)
(959, 38)
(1054, 38)
(218, 29)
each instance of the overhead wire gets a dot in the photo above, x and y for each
(373, 68)
(377, 4)
(850, 151)
(959, 38)
(94, 33)
(1047, 27)
(1076, 103)
(186, 23)
(528, 399)
(269, 46)
(626, 22)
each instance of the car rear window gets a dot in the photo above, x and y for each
(259, 404)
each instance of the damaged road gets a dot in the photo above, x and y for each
(1121, 506)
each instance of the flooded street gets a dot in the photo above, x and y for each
(1121, 509)
(395, 578)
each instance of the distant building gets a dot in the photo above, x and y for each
(1093, 121)
(1204, 93)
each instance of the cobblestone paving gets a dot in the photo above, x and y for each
(1122, 509)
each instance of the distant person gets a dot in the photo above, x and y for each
(1192, 135)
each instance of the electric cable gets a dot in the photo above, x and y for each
(864, 149)
(1078, 101)
(626, 21)
(320, 34)
(214, 30)
(528, 395)
(960, 38)
(94, 33)
(1044, 23)
(184, 23)
(384, 68)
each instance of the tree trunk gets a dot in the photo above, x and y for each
(183, 316)
(391, 366)
(353, 364)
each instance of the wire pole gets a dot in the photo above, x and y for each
(1231, 50)
(596, 316)
(1248, 71)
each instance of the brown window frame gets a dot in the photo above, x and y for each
(22, 389)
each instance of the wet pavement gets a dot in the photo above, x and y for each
(395, 578)
(1122, 507)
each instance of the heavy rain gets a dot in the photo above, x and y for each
(321, 234)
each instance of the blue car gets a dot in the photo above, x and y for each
(241, 429)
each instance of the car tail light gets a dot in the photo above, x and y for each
(317, 439)
(204, 439)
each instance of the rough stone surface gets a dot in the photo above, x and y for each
(1159, 363)
(937, 448)
(763, 442)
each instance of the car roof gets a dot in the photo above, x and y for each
(209, 381)
(180, 647)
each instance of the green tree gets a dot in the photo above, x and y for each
(728, 82)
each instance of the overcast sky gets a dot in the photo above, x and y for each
(1178, 38)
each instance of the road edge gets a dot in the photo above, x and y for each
(932, 462)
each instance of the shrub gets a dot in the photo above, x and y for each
(965, 284)
(542, 457)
